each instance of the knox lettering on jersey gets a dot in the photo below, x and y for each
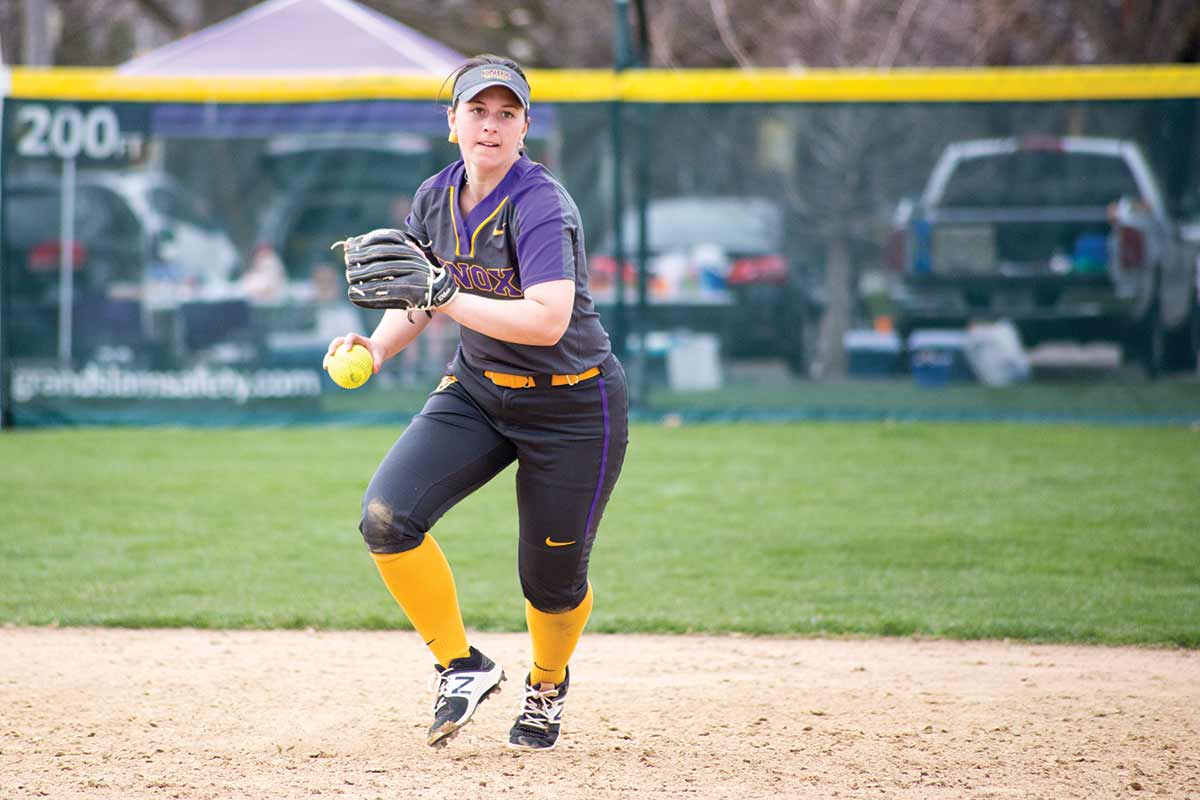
(497, 281)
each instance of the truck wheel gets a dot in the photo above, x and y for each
(800, 349)
(1152, 343)
(1193, 360)
(1183, 345)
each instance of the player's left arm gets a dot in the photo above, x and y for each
(539, 318)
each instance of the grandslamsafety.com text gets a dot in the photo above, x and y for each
(201, 382)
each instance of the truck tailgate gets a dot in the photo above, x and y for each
(1050, 242)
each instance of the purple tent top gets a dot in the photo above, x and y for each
(300, 36)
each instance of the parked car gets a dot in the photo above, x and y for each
(728, 251)
(131, 228)
(331, 186)
(125, 224)
(1067, 237)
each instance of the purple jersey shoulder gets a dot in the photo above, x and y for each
(548, 228)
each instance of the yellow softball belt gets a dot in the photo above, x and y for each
(530, 381)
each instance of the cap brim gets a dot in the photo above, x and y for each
(473, 92)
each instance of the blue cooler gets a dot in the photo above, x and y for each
(939, 357)
(1090, 254)
(871, 354)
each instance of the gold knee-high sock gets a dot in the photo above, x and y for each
(554, 638)
(421, 581)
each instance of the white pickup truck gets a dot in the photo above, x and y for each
(1067, 237)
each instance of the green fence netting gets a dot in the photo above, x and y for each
(812, 254)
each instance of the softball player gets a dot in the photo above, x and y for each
(533, 380)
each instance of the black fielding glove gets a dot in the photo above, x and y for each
(389, 268)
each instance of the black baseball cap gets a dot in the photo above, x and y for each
(478, 78)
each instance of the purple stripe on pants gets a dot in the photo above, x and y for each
(603, 457)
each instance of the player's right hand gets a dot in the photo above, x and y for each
(351, 339)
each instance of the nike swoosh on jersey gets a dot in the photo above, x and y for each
(551, 543)
(498, 231)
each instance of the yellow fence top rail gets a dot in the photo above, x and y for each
(644, 86)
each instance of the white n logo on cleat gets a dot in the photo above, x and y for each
(463, 682)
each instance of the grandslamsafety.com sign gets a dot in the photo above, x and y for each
(199, 383)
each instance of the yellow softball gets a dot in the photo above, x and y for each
(350, 367)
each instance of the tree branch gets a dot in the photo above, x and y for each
(168, 18)
(720, 14)
(887, 57)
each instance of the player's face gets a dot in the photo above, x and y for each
(491, 128)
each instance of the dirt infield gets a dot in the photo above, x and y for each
(293, 714)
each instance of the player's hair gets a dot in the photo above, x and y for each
(479, 61)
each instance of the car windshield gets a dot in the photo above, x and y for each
(1032, 179)
(349, 167)
(313, 227)
(173, 205)
(31, 217)
(736, 225)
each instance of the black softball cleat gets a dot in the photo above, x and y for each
(540, 720)
(461, 687)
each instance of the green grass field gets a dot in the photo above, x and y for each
(1053, 533)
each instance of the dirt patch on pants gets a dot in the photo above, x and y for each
(98, 713)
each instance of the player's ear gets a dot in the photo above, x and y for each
(453, 137)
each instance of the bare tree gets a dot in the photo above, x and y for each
(166, 16)
(839, 147)
(720, 33)
(1139, 31)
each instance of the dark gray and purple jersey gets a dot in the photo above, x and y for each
(527, 231)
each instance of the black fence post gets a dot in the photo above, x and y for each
(5, 328)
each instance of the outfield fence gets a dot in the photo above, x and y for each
(951, 244)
